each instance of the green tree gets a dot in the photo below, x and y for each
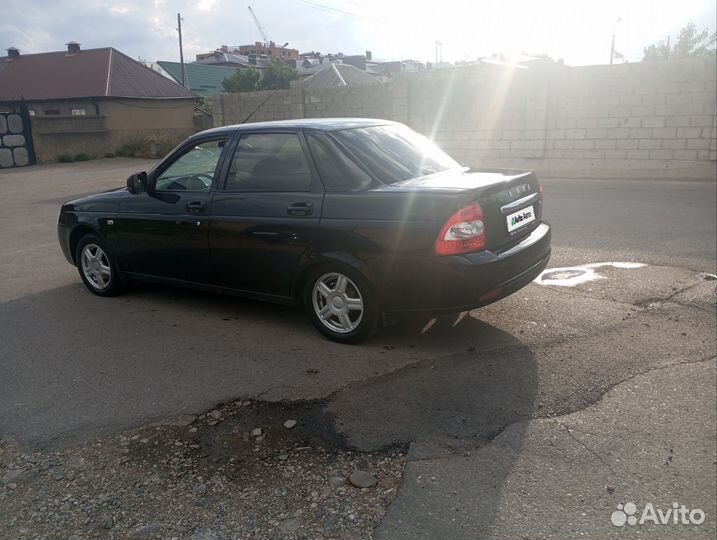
(243, 80)
(278, 75)
(205, 104)
(690, 43)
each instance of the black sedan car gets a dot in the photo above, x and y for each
(356, 218)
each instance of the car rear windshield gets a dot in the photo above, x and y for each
(395, 153)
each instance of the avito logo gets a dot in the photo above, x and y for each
(679, 514)
(521, 217)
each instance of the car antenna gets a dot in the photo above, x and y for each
(259, 106)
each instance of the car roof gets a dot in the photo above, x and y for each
(325, 124)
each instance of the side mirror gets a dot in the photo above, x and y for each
(137, 183)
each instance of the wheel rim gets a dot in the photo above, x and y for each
(96, 266)
(337, 303)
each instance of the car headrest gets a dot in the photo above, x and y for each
(277, 167)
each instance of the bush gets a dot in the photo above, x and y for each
(82, 157)
(65, 158)
(150, 147)
(134, 149)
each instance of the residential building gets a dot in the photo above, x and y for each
(256, 55)
(313, 62)
(200, 79)
(93, 101)
(269, 50)
(335, 74)
(230, 59)
(386, 70)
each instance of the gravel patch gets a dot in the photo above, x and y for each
(238, 471)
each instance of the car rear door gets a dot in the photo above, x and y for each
(165, 233)
(265, 216)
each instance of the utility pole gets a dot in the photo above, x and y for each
(612, 46)
(181, 52)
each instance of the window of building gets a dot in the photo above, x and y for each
(79, 112)
(52, 112)
(32, 112)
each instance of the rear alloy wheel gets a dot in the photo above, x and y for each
(96, 267)
(341, 306)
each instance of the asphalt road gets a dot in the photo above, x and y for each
(541, 401)
(656, 222)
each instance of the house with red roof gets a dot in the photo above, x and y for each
(93, 102)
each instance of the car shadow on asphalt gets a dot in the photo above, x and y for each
(441, 407)
(74, 363)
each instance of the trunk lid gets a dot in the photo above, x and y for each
(502, 194)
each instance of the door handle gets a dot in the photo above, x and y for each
(300, 209)
(195, 207)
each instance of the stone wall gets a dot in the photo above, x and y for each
(15, 144)
(641, 120)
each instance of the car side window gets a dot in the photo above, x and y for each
(338, 171)
(269, 162)
(192, 171)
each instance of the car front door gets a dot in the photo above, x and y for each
(266, 215)
(164, 232)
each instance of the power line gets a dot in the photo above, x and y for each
(337, 11)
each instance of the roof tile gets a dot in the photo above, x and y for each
(203, 80)
(335, 74)
(89, 73)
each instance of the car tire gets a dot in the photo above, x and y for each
(97, 267)
(341, 304)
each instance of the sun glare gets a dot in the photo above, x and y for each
(577, 31)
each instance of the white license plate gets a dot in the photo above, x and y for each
(522, 217)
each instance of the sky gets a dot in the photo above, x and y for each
(579, 31)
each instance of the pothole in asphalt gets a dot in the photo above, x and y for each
(246, 469)
(707, 277)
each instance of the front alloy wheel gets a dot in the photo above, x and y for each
(341, 306)
(96, 266)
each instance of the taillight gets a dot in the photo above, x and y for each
(463, 232)
(540, 189)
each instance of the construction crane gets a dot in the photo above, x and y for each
(258, 25)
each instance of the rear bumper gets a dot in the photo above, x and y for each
(465, 282)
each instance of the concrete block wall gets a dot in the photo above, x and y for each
(642, 120)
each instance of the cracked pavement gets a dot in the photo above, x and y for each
(562, 477)
(533, 418)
